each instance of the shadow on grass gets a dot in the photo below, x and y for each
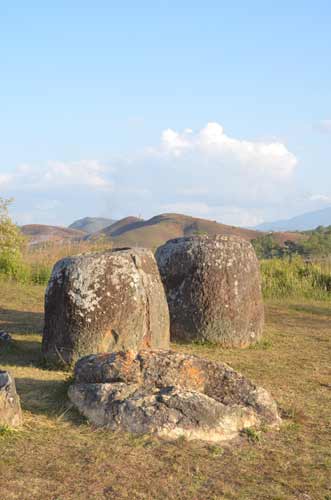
(312, 309)
(47, 398)
(21, 352)
(303, 316)
(14, 321)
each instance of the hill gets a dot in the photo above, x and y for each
(132, 231)
(38, 233)
(91, 225)
(123, 225)
(152, 233)
(304, 222)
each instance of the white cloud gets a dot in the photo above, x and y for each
(176, 143)
(88, 173)
(205, 173)
(212, 144)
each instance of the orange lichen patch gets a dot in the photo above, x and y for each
(146, 342)
(191, 376)
(128, 365)
(127, 359)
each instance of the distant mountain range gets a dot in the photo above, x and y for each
(133, 231)
(309, 220)
(91, 225)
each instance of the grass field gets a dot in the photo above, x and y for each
(58, 456)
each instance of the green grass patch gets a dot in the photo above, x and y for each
(286, 278)
(6, 431)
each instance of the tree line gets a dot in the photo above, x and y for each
(315, 243)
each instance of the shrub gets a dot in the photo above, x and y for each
(11, 245)
(266, 247)
(40, 273)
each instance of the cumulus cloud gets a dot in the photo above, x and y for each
(205, 173)
(57, 175)
(212, 144)
(208, 168)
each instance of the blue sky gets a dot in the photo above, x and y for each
(218, 109)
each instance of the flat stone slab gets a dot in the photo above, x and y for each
(169, 394)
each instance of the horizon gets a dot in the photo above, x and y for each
(213, 111)
(127, 216)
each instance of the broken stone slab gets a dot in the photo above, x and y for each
(169, 394)
(213, 288)
(10, 407)
(104, 301)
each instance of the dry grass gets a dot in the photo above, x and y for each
(58, 456)
(49, 253)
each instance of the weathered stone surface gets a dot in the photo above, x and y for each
(10, 407)
(104, 302)
(213, 289)
(169, 394)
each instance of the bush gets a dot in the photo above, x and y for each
(11, 246)
(12, 266)
(266, 247)
(40, 273)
